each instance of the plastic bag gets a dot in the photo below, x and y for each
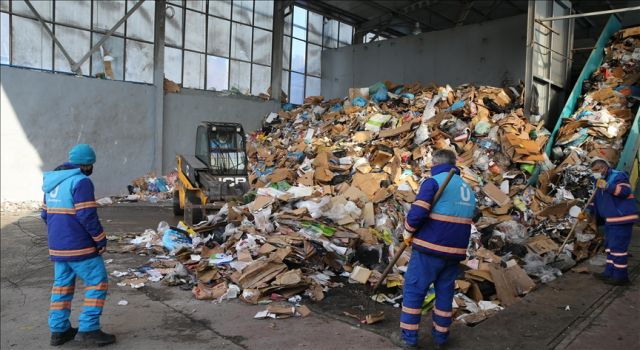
(422, 134)
(535, 266)
(173, 240)
(513, 231)
(380, 95)
(315, 209)
(340, 211)
(359, 101)
(261, 219)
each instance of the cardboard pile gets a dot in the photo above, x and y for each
(333, 180)
(610, 97)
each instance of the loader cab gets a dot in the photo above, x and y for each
(221, 146)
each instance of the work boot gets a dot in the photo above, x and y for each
(97, 338)
(397, 340)
(617, 282)
(59, 338)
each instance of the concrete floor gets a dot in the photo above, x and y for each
(159, 317)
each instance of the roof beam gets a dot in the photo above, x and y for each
(426, 4)
(331, 11)
(400, 14)
(465, 13)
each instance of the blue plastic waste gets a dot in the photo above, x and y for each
(359, 101)
(380, 95)
(457, 105)
(375, 87)
(408, 95)
(173, 239)
(336, 107)
(287, 107)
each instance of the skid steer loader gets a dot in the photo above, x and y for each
(215, 174)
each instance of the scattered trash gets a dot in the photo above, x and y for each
(123, 303)
(333, 180)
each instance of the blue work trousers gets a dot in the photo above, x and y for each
(423, 270)
(94, 276)
(616, 244)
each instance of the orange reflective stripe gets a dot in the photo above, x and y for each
(409, 227)
(452, 219)
(609, 261)
(440, 328)
(93, 302)
(631, 196)
(99, 237)
(60, 305)
(85, 205)
(71, 252)
(623, 218)
(440, 248)
(410, 310)
(620, 266)
(69, 211)
(409, 327)
(618, 254)
(442, 313)
(63, 290)
(607, 250)
(99, 286)
(422, 204)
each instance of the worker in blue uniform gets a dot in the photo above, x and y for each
(76, 242)
(439, 236)
(614, 205)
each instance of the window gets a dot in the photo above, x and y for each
(79, 25)
(227, 45)
(306, 34)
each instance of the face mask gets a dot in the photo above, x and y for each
(596, 176)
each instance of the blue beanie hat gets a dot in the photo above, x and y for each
(82, 154)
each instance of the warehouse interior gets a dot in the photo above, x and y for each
(136, 79)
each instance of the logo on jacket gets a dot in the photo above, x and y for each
(54, 193)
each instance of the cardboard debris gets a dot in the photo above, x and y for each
(360, 274)
(332, 181)
(493, 192)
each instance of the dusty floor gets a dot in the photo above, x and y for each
(158, 317)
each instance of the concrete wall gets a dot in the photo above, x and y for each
(43, 114)
(183, 112)
(486, 53)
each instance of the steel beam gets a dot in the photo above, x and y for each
(106, 36)
(277, 46)
(589, 14)
(53, 37)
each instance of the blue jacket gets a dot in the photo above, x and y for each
(443, 230)
(615, 205)
(74, 230)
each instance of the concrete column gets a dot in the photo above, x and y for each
(276, 50)
(158, 84)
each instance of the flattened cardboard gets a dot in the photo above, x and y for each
(368, 215)
(504, 287)
(360, 274)
(493, 192)
(519, 279)
(394, 132)
(542, 244)
(303, 310)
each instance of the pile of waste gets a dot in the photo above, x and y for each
(151, 188)
(333, 180)
(605, 113)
